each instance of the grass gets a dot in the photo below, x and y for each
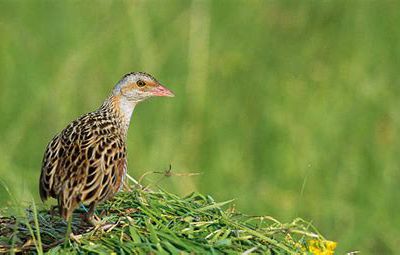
(289, 107)
(142, 221)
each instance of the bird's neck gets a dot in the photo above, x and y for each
(122, 109)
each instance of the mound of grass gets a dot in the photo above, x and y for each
(143, 221)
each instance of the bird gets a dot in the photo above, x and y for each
(86, 163)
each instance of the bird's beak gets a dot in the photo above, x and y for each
(162, 91)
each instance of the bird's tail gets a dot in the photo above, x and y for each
(67, 203)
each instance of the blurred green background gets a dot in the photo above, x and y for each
(291, 108)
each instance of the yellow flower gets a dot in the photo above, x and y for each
(321, 247)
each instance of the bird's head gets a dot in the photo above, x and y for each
(138, 86)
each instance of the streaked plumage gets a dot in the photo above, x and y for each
(86, 162)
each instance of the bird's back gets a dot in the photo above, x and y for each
(85, 163)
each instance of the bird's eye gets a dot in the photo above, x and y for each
(140, 83)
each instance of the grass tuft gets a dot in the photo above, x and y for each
(143, 221)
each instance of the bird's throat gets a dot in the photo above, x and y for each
(123, 110)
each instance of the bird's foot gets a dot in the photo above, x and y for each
(93, 220)
(75, 238)
(101, 225)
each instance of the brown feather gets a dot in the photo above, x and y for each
(83, 163)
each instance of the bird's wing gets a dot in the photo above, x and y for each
(50, 164)
(105, 168)
(93, 166)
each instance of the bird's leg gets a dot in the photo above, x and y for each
(90, 217)
(95, 221)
